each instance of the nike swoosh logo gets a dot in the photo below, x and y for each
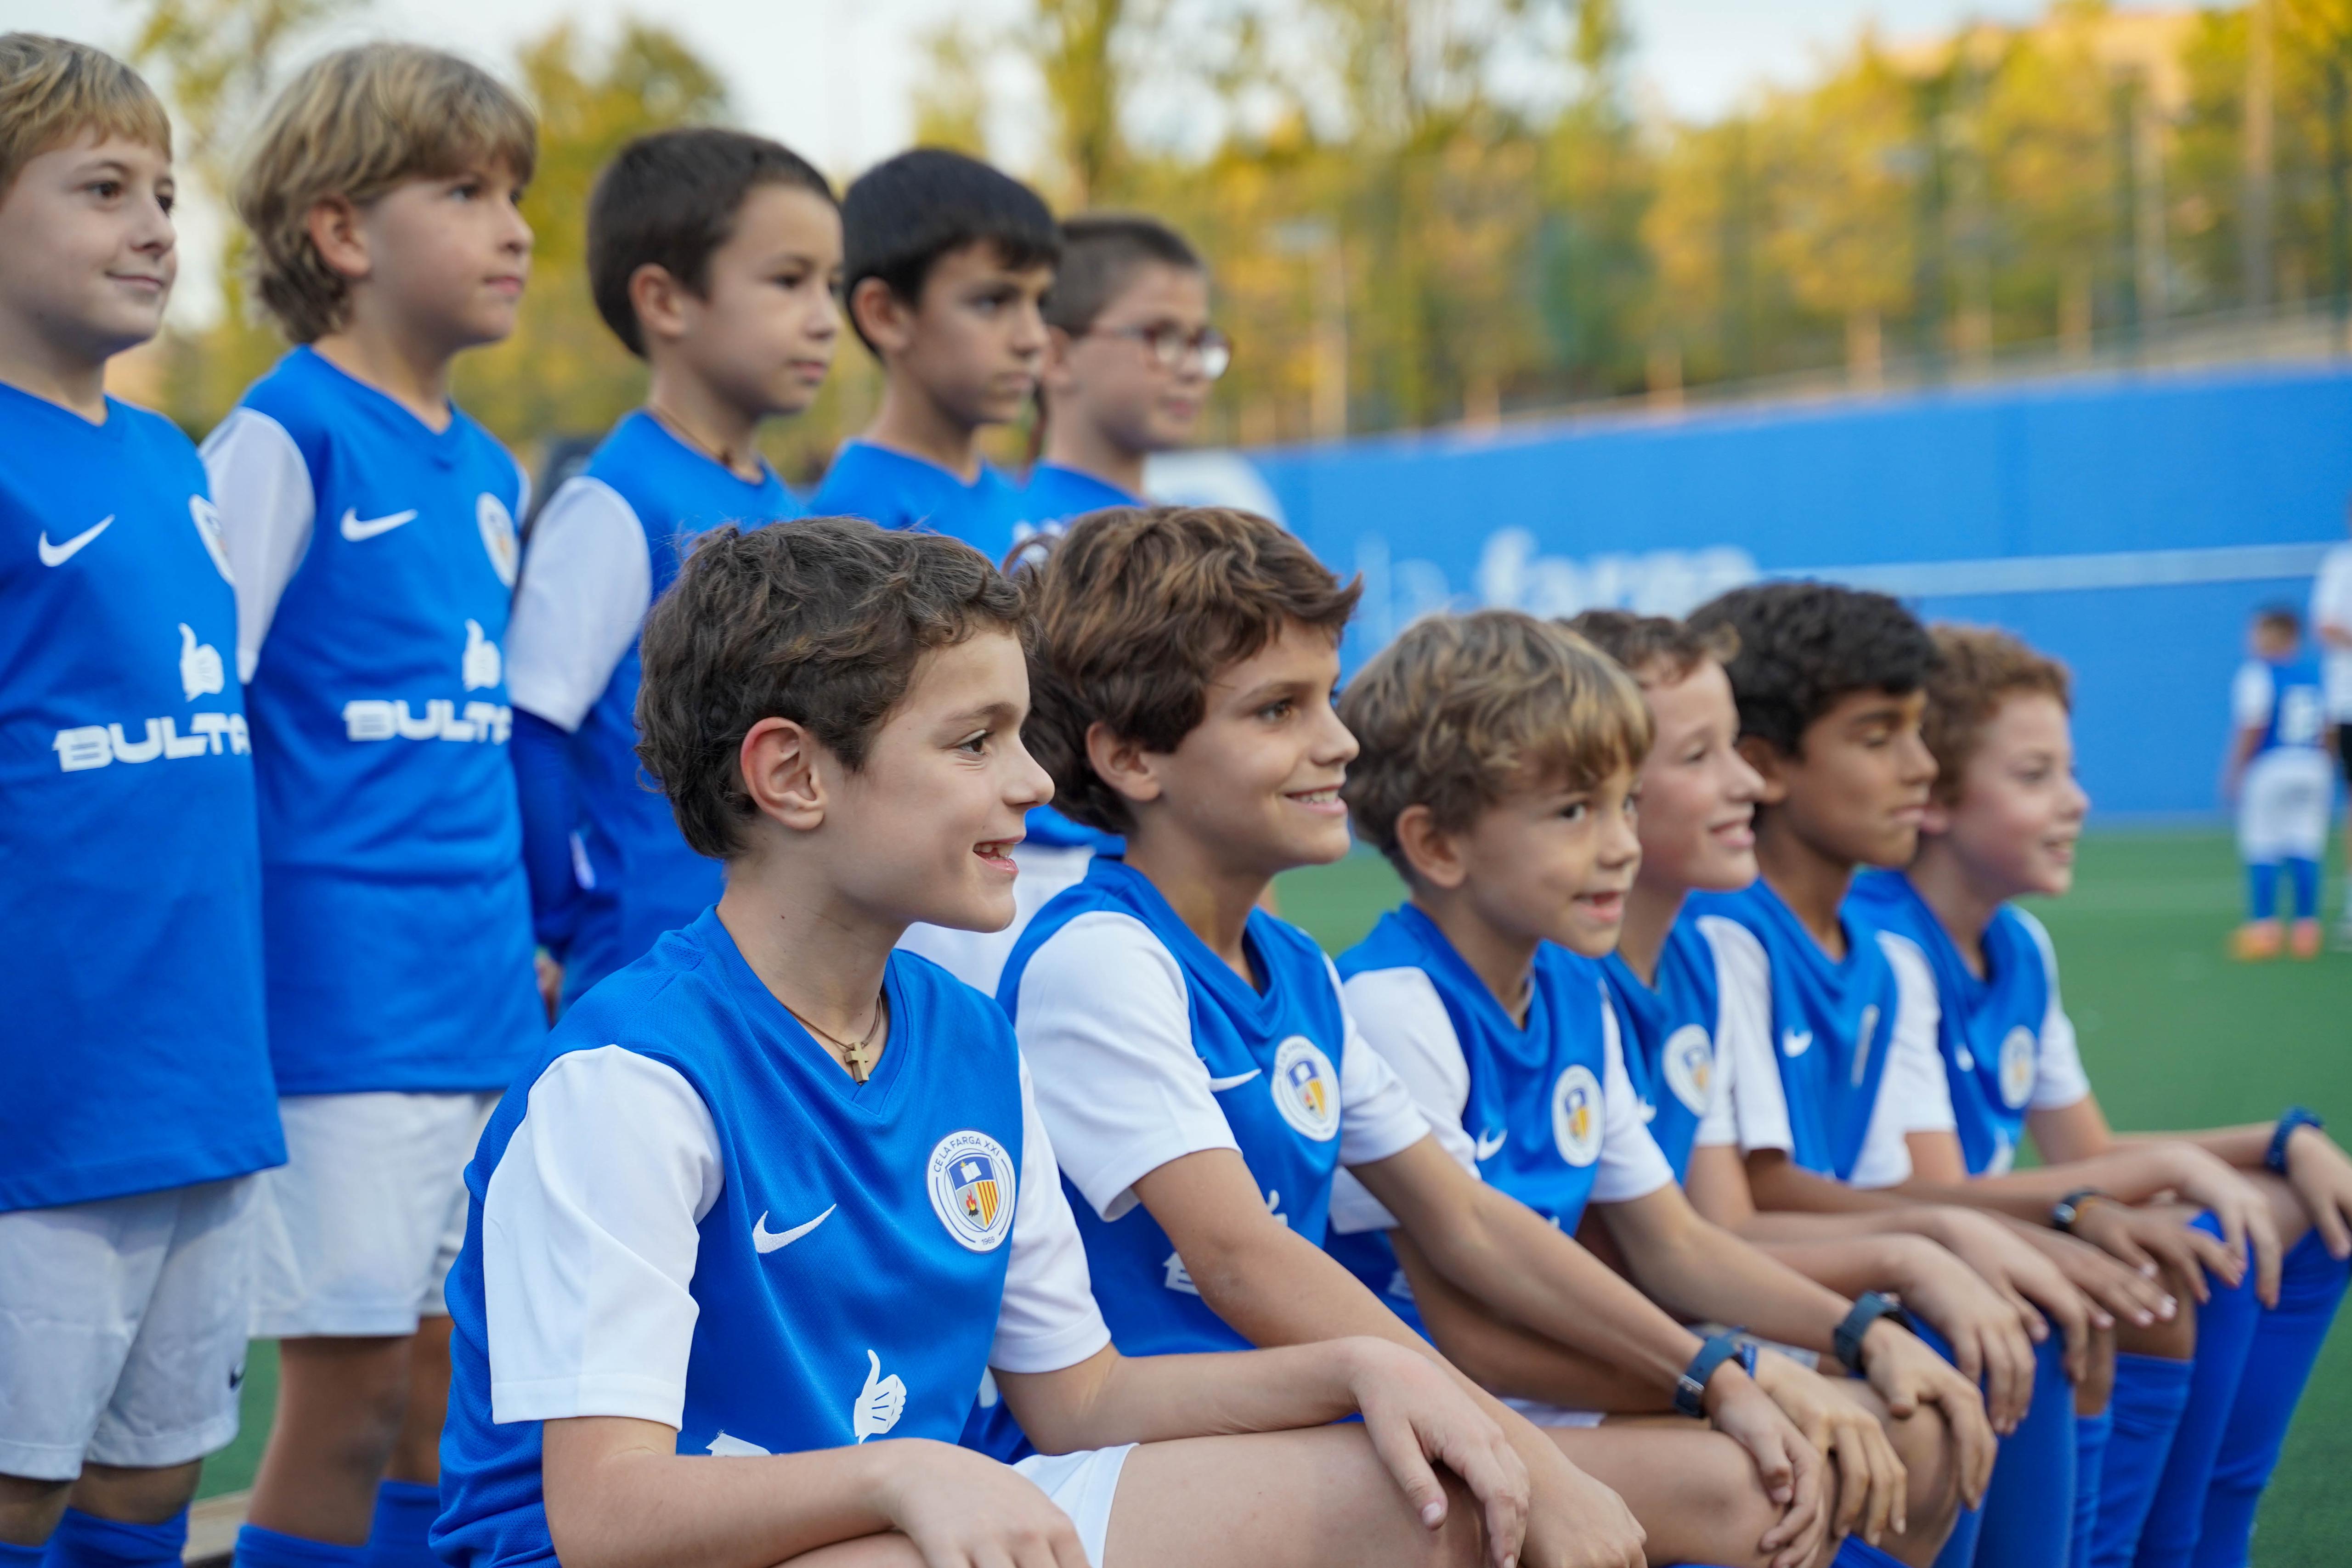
(57, 555)
(1488, 1143)
(355, 531)
(1235, 1082)
(1796, 1042)
(767, 1241)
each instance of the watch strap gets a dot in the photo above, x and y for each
(2294, 1116)
(1690, 1388)
(1868, 1308)
(2069, 1208)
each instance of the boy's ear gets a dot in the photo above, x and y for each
(778, 760)
(660, 301)
(1431, 853)
(882, 317)
(1770, 766)
(1122, 764)
(333, 224)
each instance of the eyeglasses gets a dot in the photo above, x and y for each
(1171, 345)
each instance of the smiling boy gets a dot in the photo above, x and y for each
(135, 1100)
(371, 528)
(713, 256)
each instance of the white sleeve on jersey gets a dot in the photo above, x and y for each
(1719, 1126)
(1757, 1110)
(1632, 1164)
(589, 1241)
(1048, 1320)
(1105, 1023)
(586, 585)
(1377, 1116)
(2059, 1079)
(1403, 1023)
(268, 505)
(2252, 695)
(1913, 1096)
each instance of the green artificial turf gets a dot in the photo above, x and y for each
(2173, 1032)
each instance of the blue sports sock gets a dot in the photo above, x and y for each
(2225, 1334)
(259, 1548)
(2303, 877)
(15, 1556)
(2286, 1342)
(2029, 1506)
(2151, 1392)
(404, 1512)
(1853, 1551)
(85, 1540)
(2261, 890)
(2090, 1435)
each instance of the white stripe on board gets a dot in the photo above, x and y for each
(2065, 573)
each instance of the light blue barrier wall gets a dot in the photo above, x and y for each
(2127, 525)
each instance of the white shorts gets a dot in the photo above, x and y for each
(123, 1328)
(2283, 805)
(977, 957)
(1082, 1486)
(358, 1228)
(1544, 1414)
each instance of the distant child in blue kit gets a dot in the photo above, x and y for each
(371, 527)
(136, 1107)
(713, 256)
(2282, 776)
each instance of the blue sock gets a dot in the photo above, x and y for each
(2090, 1435)
(2303, 877)
(2286, 1342)
(2151, 1392)
(1960, 1546)
(404, 1512)
(2030, 1505)
(15, 1556)
(2225, 1334)
(1853, 1551)
(85, 1540)
(2261, 890)
(259, 1548)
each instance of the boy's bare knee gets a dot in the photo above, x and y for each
(1931, 1503)
(1461, 1541)
(136, 1496)
(30, 1509)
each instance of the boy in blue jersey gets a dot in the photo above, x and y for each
(135, 1098)
(802, 1180)
(2002, 823)
(1500, 755)
(1129, 359)
(1202, 1076)
(713, 256)
(371, 526)
(2282, 780)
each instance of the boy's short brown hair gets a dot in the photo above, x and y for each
(1655, 650)
(357, 124)
(1461, 710)
(53, 90)
(1978, 668)
(822, 622)
(1137, 611)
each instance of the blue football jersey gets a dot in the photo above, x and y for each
(1990, 1034)
(396, 918)
(1056, 496)
(2297, 716)
(1535, 1108)
(133, 920)
(641, 878)
(1669, 1032)
(1274, 1059)
(900, 491)
(1832, 1024)
(915, 1172)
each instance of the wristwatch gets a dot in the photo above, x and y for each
(2294, 1116)
(1868, 1308)
(2069, 1208)
(1690, 1388)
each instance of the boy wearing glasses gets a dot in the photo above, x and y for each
(1129, 359)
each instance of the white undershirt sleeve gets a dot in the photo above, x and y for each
(1759, 1108)
(268, 505)
(1049, 1319)
(587, 582)
(2251, 696)
(1632, 1164)
(1105, 1026)
(1913, 1096)
(1404, 1024)
(1377, 1116)
(589, 1241)
(2059, 1079)
(1718, 1124)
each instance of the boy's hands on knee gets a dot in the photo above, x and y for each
(2034, 1283)
(2321, 1175)
(1573, 1519)
(1868, 1479)
(2159, 1243)
(1416, 1416)
(1992, 1330)
(1785, 1461)
(2199, 1177)
(963, 1510)
(1908, 1376)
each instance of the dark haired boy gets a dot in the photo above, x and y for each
(948, 261)
(774, 1198)
(1129, 360)
(713, 254)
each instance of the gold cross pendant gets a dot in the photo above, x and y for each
(858, 1057)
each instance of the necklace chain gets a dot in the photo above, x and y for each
(855, 1054)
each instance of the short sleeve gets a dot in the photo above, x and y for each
(1378, 1118)
(589, 1241)
(1718, 1124)
(2059, 1079)
(587, 582)
(1404, 1022)
(2251, 696)
(1913, 1096)
(262, 487)
(1758, 1109)
(1632, 1164)
(1049, 1319)
(1105, 1025)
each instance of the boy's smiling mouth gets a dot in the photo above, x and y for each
(997, 854)
(1324, 799)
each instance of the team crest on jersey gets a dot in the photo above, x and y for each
(1689, 1059)
(2017, 1067)
(1576, 1115)
(499, 536)
(1306, 1089)
(206, 517)
(973, 1184)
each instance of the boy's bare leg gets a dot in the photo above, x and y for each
(1694, 1490)
(341, 1405)
(416, 1454)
